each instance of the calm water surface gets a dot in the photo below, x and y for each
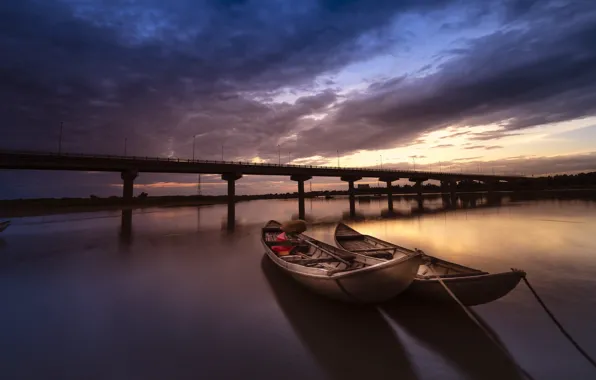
(176, 296)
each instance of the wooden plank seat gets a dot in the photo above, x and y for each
(296, 259)
(373, 250)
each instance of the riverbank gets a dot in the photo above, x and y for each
(47, 206)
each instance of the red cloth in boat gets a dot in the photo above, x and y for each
(282, 250)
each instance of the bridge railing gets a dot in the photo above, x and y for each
(247, 163)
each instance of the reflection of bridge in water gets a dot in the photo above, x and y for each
(421, 206)
(448, 203)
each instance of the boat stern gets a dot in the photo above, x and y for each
(382, 283)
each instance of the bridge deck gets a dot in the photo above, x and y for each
(88, 162)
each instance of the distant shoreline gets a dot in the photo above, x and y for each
(47, 206)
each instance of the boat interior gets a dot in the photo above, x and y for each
(354, 241)
(315, 254)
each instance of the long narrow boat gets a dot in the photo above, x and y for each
(4, 225)
(471, 286)
(343, 275)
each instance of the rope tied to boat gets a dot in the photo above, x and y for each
(557, 323)
(491, 335)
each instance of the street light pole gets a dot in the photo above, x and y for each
(194, 139)
(60, 138)
(222, 152)
(338, 159)
(381, 161)
(278, 155)
(125, 146)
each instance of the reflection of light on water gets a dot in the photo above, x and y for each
(481, 236)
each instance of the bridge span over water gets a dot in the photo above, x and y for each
(129, 168)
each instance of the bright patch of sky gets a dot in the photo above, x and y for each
(571, 137)
(419, 44)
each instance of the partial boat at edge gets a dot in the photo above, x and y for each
(4, 225)
(342, 275)
(470, 286)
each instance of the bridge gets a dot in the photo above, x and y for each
(129, 168)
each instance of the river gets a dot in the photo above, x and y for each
(171, 294)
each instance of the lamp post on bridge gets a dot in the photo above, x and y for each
(60, 138)
(338, 159)
(194, 139)
(278, 155)
(125, 139)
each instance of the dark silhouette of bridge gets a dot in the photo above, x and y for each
(129, 168)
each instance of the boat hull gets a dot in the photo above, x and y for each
(367, 285)
(4, 225)
(472, 290)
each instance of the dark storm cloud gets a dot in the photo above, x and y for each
(525, 74)
(160, 72)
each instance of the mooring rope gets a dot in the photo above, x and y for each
(561, 328)
(475, 319)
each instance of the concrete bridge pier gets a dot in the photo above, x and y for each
(231, 178)
(444, 186)
(388, 181)
(300, 179)
(351, 192)
(418, 184)
(491, 185)
(452, 187)
(128, 177)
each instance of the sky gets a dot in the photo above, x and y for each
(453, 85)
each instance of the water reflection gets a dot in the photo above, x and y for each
(348, 342)
(352, 215)
(369, 208)
(126, 227)
(50, 262)
(448, 331)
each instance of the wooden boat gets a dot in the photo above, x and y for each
(4, 225)
(471, 286)
(343, 275)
